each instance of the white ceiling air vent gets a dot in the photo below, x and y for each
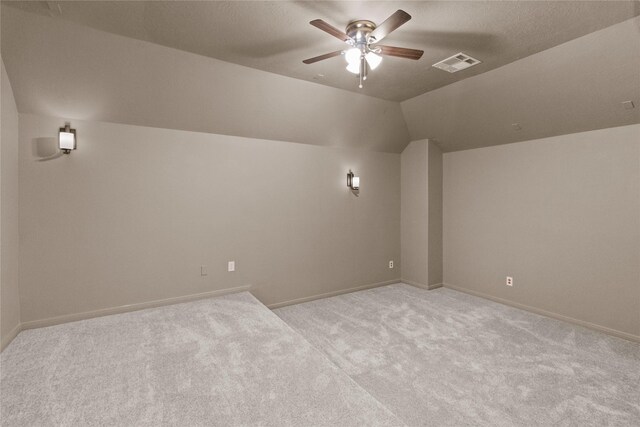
(456, 63)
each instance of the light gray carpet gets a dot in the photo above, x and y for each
(446, 358)
(227, 361)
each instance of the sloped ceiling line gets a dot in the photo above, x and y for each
(275, 36)
(59, 68)
(574, 87)
(62, 69)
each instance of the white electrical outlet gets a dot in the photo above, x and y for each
(203, 270)
(391, 264)
(509, 281)
(231, 266)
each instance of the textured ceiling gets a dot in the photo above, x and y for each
(577, 86)
(62, 68)
(276, 36)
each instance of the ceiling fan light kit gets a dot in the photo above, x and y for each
(363, 35)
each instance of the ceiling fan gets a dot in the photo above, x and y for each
(363, 35)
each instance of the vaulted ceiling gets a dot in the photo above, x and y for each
(552, 67)
(275, 36)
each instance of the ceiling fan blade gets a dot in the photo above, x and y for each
(322, 57)
(319, 23)
(392, 22)
(401, 52)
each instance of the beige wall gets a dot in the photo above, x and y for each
(132, 214)
(561, 215)
(434, 172)
(415, 213)
(9, 295)
(421, 214)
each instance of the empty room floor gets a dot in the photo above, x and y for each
(227, 361)
(442, 357)
(395, 355)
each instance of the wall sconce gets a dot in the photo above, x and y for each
(67, 139)
(353, 182)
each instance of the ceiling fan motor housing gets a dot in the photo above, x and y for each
(359, 31)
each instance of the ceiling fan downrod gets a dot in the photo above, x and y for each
(359, 32)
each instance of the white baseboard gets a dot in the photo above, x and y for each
(589, 325)
(51, 321)
(130, 307)
(422, 285)
(331, 294)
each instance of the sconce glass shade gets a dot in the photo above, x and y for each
(355, 182)
(67, 139)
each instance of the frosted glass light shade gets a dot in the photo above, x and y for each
(355, 182)
(373, 60)
(354, 68)
(67, 140)
(352, 56)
